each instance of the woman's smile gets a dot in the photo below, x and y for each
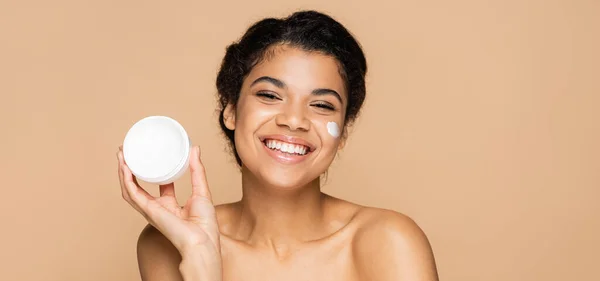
(287, 149)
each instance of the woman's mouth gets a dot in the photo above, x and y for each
(285, 147)
(286, 150)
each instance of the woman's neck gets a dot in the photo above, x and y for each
(277, 218)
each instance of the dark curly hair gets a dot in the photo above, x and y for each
(309, 30)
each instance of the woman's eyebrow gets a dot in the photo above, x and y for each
(278, 83)
(324, 91)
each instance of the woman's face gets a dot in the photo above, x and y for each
(286, 117)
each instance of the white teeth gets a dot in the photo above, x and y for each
(291, 149)
(286, 147)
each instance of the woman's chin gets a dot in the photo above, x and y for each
(285, 182)
(281, 178)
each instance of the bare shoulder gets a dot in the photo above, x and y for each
(388, 245)
(226, 217)
(158, 259)
(382, 223)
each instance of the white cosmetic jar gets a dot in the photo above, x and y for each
(156, 149)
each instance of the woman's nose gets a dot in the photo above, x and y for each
(293, 117)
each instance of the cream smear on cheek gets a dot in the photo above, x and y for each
(333, 129)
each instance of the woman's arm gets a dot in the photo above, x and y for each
(198, 265)
(392, 247)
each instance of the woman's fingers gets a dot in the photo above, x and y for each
(199, 182)
(124, 191)
(120, 172)
(136, 192)
(133, 191)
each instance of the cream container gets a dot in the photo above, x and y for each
(156, 149)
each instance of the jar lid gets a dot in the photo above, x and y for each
(156, 149)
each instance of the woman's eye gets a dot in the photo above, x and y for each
(326, 106)
(267, 95)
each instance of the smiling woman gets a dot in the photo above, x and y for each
(288, 91)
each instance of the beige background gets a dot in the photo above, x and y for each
(481, 123)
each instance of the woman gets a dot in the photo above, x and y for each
(288, 91)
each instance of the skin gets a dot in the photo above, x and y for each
(284, 227)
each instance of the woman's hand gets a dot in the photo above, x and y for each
(193, 228)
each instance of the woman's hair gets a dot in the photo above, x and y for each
(308, 30)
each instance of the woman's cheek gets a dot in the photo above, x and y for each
(333, 129)
(329, 131)
(258, 115)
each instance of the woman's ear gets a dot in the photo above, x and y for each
(229, 116)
